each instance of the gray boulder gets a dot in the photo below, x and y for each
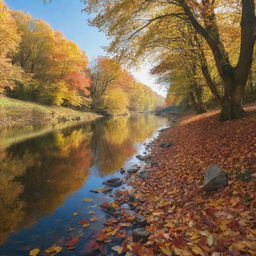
(132, 171)
(114, 182)
(140, 234)
(215, 178)
(139, 221)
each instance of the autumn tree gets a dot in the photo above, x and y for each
(9, 42)
(57, 68)
(104, 72)
(131, 23)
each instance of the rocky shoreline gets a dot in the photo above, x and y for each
(186, 197)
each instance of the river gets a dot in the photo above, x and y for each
(45, 180)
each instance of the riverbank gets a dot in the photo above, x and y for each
(18, 113)
(170, 212)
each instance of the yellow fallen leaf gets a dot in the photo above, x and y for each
(75, 213)
(34, 252)
(53, 250)
(234, 201)
(205, 233)
(165, 251)
(197, 250)
(210, 240)
(86, 199)
(91, 212)
(252, 231)
(94, 219)
(192, 233)
(118, 249)
(182, 252)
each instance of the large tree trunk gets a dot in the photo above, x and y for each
(234, 78)
(231, 104)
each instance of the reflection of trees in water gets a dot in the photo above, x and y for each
(37, 175)
(114, 139)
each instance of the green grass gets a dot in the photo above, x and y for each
(18, 112)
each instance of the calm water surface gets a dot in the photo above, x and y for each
(44, 179)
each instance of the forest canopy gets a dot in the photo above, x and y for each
(195, 44)
(39, 64)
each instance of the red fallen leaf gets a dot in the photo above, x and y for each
(102, 237)
(104, 205)
(211, 211)
(233, 225)
(72, 242)
(84, 223)
(93, 244)
(203, 241)
(179, 241)
(138, 249)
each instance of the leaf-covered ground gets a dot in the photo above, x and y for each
(182, 218)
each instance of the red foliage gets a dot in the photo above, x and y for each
(79, 81)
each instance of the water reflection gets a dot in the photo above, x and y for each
(39, 174)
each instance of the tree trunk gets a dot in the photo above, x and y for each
(233, 78)
(198, 104)
(231, 104)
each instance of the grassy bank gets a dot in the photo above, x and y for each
(18, 112)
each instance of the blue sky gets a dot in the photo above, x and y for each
(66, 16)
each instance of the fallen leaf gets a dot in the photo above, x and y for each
(210, 240)
(84, 223)
(86, 199)
(71, 243)
(165, 251)
(118, 249)
(93, 219)
(197, 250)
(53, 250)
(34, 252)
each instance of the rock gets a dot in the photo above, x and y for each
(114, 182)
(122, 171)
(144, 175)
(141, 158)
(140, 234)
(167, 144)
(163, 129)
(94, 191)
(132, 171)
(106, 190)
(245, 176)
(215, 178)
(139, 221)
